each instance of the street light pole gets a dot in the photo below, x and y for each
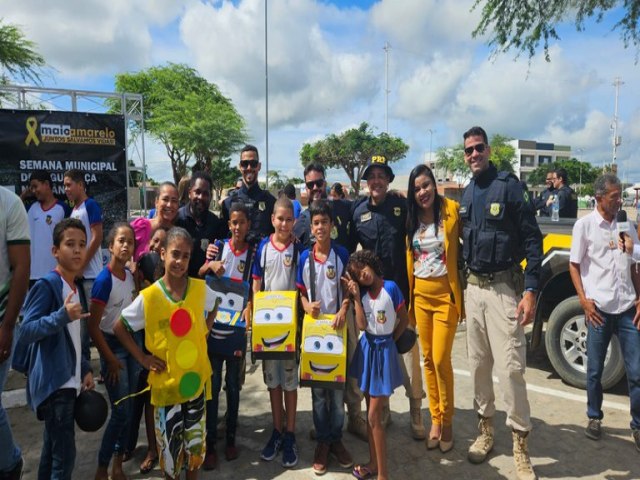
(430, 142)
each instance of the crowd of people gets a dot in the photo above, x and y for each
(381, 265)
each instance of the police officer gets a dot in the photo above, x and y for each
(567, 198)
(343, 232)
(259, 202)
(499, 229)
(380, 224)
(540, 203)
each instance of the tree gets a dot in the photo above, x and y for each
(523, 25)
(451, 159)
(187, 114)
(578, 172)
(351, 151)
(18, 57)
(223, 175)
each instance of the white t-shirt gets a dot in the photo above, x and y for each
(74, 332)
(381, 311)
(275, 267)
(14, 230)
(89, 213)
(327, 277)
(114, 293)
(133, 315)
(41, 225)
(429, 257)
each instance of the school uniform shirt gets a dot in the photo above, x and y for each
(41, 225)
(381, 311)
(276, 267)
(73, 328)
(235, 262)
(14, 230)
(115, 293)
(327, 276)
(133, 315)
(89, 213)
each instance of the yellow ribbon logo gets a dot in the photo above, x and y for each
(32, 125)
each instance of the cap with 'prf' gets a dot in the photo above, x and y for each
(379, 161)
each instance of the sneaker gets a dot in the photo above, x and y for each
(358, 427)
(321, 458)
(524, 469)
(635, 435)
(594, 429)
(270, 451)
(289, 450)
(341, 454)
(210, 460)
(483, 444)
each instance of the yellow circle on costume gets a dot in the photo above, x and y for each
(186, 354)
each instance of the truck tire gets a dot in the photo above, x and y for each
(566, 344)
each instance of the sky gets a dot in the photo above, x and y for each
(326, 71)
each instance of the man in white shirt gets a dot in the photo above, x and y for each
(602, 275)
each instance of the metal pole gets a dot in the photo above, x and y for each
(430, 143)
(266, 95)
(614, 126)
(386, 86)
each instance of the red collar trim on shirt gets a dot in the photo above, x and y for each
(122, 279)
(274, 245)
(375, 297)
(321, 262)
(55, 202)
(235, 252)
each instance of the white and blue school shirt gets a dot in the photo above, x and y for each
(235, 262)
(276, 267)
(327, 276)
(41, 225)
(115, 293)
(73, 327)
(89, 213)
(381, 311)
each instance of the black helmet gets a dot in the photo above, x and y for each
(405, 342)
(90, 411)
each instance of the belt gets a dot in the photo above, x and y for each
(484, 279)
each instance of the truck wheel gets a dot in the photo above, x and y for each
(566, 344)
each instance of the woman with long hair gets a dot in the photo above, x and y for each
(435, 299)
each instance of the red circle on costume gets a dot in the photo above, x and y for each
(180, 322)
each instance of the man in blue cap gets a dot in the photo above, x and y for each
(380, 226)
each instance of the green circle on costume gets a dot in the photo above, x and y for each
(186, 354)
(189, 384)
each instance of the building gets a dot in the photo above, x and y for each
(530, 155)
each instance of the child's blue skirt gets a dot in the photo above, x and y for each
(376, 365)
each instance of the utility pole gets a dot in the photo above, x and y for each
(617, 140)
(386, 49)
(430, 130)
(266, 97)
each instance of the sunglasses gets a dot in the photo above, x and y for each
(315, 184)
(478, 148)
(248, 163)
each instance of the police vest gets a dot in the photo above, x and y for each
(260, 210)
(570, 208)
(494, 244)
(175, 332)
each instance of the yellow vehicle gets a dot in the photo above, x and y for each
(565, 336)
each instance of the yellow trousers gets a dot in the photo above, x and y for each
(436, 322)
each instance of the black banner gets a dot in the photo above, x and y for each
(59, 141)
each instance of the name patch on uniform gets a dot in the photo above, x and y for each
(365, 217)
(494, 209)
(463, 209)
(397, 211)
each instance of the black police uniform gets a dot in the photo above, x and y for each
(260, 204)
(210, 228)
(382, 229)
(342, 233)
(540, 203)
(568, 202)
(499, 228)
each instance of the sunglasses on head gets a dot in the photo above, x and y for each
(478, 148)
(315, 184)
(248, 163)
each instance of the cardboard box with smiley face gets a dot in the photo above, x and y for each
(228, 335)
(323, 356)
(273, 329)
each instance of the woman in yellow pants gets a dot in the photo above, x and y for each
(435, 301)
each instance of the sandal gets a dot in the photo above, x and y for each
(363, 472)
(148, 464)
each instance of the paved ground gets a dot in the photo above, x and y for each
(558, 446)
